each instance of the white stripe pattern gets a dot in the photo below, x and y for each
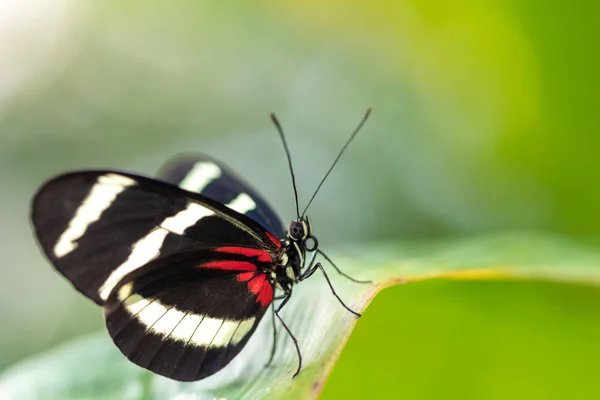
(143, 251)
(101, 196)
(198, 330)
(200, 176)
(242, 203)
(179, 222)
(148, 247)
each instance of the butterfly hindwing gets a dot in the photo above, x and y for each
(202, 174)
(96, 227)
(188, 317)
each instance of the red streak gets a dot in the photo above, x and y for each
(265, 296)
(275, 241)
(259, 285)
(260, 255)
(245, 276)
(229, 265)
(256, 284)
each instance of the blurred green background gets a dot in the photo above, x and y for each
(485, 119)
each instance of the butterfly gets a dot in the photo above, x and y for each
(185, 266)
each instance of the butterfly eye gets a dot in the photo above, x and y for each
(296, 230)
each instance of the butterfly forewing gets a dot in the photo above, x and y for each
(96, 227)
(189, 317)
(202, 174)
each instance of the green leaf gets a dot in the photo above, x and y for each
(93, 368)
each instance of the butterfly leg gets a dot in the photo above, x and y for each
(288, 295)
(273, 348)
(312, 270)
(338, 270)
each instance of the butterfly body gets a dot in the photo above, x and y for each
(184, 279)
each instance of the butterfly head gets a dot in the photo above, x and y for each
(300, 231)
(299, 240)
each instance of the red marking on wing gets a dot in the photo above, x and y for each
(256, 284)
(265, 295)
(230, 265)
(245, 276)
(261, 255)
(275, 241)
(259, 285)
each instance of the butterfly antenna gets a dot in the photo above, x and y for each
(362, 122)
(289, 158)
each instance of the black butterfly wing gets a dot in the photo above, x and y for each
(96, 227)
(189, 317)
(203, 174)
